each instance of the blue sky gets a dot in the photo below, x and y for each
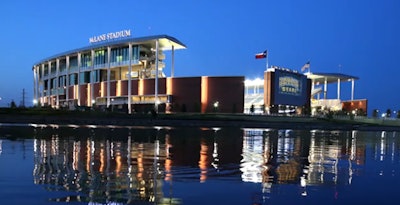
(222, 37)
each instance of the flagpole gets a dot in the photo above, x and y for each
(267, 62)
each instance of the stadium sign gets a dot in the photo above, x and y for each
(289, 85)
(110, 36)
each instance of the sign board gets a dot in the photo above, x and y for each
(110, 36)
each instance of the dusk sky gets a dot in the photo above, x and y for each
(354, 37)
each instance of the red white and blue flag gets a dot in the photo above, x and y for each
(261, 55)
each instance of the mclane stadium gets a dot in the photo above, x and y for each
(123, 73)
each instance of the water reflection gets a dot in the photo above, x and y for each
(127, 166)
(101, 170)
(307, 158)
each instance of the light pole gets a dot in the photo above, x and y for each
(216, 104)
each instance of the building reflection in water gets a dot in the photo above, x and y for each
(99, 167)
(306, 158)
(102, 170)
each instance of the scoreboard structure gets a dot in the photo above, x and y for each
(286, 91)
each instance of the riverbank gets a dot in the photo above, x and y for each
(77, 118)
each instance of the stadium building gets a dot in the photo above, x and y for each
(282, 91)
(286, 91)
(119, 72)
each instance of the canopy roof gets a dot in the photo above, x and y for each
(319, 78)
(165, 42)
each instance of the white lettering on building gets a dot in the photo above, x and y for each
(110, 36)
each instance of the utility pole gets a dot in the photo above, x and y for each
(23, 97)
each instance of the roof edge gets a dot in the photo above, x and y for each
(113, 42)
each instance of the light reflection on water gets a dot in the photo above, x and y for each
(206, 166)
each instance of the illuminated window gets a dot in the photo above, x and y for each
(119, 58)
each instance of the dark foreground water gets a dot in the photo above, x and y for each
(164, 165)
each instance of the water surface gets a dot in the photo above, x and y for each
(167, 165)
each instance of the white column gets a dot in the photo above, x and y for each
(338, 88)
(156, 80)
(352, 89)
(48, 83)
(325, 88)
(57, 83)
(108, 74)
(130, 79)
(173, 61)
(92, 79)
(312, 86)
(79, 79)
(67, 79)
(42, 94)
(34, 84)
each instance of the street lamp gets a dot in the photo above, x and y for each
(34, 101)
(216, 104)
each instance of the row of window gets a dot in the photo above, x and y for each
(84, 77)
(117, 55)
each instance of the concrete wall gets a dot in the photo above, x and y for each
(186, 94)
(228, 92)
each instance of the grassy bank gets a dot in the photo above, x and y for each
(65, 117)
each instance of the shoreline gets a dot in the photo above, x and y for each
(82, 119)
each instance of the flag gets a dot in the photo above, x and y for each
(305, 66)
(261, 55)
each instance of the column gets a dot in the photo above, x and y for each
(325, 88)
(34, 85)
(67, 79)
(92, 99)
(313, 88)
(57, 83)
(48, 83)
(338, 88)
(173, 61)
(42, 95)
(130, 79)
(79, 79)
(108, 74)
(156, 80)
(352, 89)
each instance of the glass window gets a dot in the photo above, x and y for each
(63, 64)
(84, 78)
(96, 76)
(135, 54)
(100, 57)
(46, 69)
(53, 67)
(73, 62)
(86, 60)
(119, 54)
(62, 81)
(73, 79)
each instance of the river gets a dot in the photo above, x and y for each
(49, 164)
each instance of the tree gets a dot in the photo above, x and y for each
(388, 113)
(183, 108)
(13, 105)
(375, 113)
